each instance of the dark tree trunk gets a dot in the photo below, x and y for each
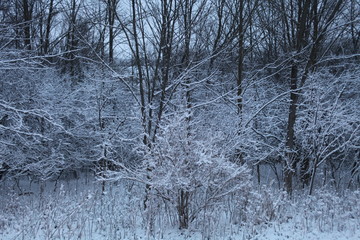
(291, 156)
(241, 33)
(27, 15)
(111, 13)
(183, 209)
(48, 27)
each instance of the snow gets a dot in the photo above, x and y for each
(76, 209)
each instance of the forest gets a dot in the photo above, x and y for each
(180, 119)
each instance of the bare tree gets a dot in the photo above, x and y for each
(304, 37)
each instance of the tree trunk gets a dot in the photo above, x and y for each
(183, 209)
(290, 162)
(111, 13)
(27, 14)
(240, 66)
(48, 28)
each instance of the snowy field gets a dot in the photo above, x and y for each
(77, 209)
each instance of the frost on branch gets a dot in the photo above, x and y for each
(189, 170)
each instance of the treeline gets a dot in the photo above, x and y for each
(179, 93)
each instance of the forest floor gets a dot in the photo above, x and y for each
(77, 209)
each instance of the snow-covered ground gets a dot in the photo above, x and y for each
(77, 209)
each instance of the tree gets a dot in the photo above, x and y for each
(111, 6)
(306, 47)
(327, 127)
(187, 171)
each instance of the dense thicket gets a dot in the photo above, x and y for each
(184, 96)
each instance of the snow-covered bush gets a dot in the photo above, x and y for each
(189, 171)
(328, 129)
(50, 125)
